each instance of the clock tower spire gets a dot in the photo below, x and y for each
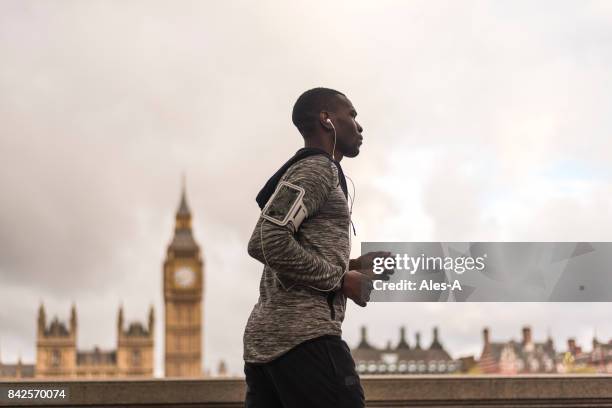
(183, 276)
(183, 214)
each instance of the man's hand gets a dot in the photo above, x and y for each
(365, 265)
(358, 281)
(357, 287)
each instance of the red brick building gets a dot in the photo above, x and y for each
(517, 357)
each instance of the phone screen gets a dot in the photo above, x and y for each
(283, 202)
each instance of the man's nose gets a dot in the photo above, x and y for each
(359, 128)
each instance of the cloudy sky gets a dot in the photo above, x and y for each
(483, 120)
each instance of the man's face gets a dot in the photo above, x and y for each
(348, 131)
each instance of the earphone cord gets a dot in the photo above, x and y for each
(334, 149)
(352, 201)
(353, 184)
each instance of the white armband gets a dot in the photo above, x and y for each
(286, 206)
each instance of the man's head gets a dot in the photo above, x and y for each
(311, 112)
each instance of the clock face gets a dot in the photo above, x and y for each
(184, 276)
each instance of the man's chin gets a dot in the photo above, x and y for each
(354, 153)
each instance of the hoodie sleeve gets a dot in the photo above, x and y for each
(282, 252)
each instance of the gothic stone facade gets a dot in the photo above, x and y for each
(57, 355)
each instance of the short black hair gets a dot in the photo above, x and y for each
(308, 106)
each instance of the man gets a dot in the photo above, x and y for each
(294, 356)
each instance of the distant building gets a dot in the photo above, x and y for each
(469, 365)
(404, 359)
(514, 357)
(183, 279)
(16, 371)
(57, 355)
(598, 360)
(601, 356)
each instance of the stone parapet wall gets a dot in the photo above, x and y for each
(381, 391)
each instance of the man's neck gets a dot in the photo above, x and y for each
(318, 144)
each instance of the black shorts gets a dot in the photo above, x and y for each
(319, 373)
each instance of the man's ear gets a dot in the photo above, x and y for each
(323, 117)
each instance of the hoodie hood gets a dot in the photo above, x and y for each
(268, 189)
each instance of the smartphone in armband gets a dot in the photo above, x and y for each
(286, 206)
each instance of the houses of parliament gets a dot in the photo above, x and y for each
(57, 355)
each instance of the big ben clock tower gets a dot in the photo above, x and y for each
(183, 284)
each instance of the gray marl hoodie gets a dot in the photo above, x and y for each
(317, 256)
